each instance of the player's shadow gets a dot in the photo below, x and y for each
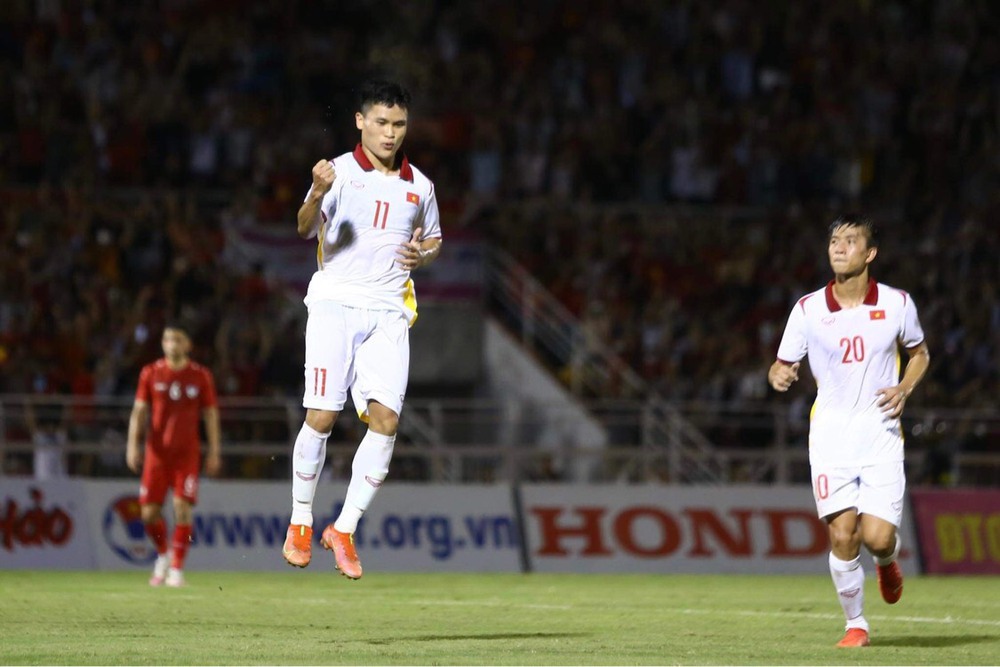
(488, 636)
(934, 641)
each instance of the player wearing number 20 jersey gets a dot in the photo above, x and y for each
(853, 330)
(852, 354)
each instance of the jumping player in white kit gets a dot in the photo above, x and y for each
(852, 331)
(375, 218)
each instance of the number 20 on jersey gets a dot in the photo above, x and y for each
(854, 349)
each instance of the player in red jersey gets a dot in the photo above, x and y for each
(173, 393)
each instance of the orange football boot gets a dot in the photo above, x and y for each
(890, 581)
(854, 638)
(342, 546)
(298, 545)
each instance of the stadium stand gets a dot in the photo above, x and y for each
(664, 169)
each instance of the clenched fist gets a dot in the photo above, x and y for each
(782, 375)
(323, 176)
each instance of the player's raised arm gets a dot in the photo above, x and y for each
(136, 426)
(323, 175)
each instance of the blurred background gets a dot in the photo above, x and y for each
(633, 194)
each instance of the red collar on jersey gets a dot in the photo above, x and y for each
(871, 296)
(405, 170)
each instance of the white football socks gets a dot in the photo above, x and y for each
(308, 457)
(370, 467)
(891, 557)
(849, 580)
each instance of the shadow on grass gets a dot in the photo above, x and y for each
(933, 641)
(485, 636)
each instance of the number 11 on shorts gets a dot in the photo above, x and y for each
(319, 382)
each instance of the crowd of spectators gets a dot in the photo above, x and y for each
(132, 129)
(726, 101)
(88, 283)
(696, 302)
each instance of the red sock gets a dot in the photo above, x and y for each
(182, 538)
(157, 531)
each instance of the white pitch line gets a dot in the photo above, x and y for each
(985, 604)
(947, 620)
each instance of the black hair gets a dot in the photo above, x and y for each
(858, 220)
(379, 91)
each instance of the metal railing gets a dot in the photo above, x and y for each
(451, 440)
(711, 443)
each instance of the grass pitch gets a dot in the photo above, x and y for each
(307, 617)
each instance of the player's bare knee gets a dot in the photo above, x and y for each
(881, 545)
(879, 535)
(385, 426)
(844, 540)
(321, 421)
(381, 419)
(150, 513)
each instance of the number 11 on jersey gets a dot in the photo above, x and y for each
(379, 204)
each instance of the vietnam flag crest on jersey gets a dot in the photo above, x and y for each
(876, 314)
(413, 198)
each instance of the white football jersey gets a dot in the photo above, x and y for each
(852, 354)
(366, 216)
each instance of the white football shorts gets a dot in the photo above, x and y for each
(873, 489)
(366, 352)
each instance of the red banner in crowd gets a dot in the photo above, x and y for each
(959, 530)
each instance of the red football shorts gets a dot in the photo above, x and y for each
(158, 475)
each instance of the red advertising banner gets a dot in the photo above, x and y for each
(959, 530)
(43, 525)
(682, 529)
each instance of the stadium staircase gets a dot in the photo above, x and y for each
(550, 333)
